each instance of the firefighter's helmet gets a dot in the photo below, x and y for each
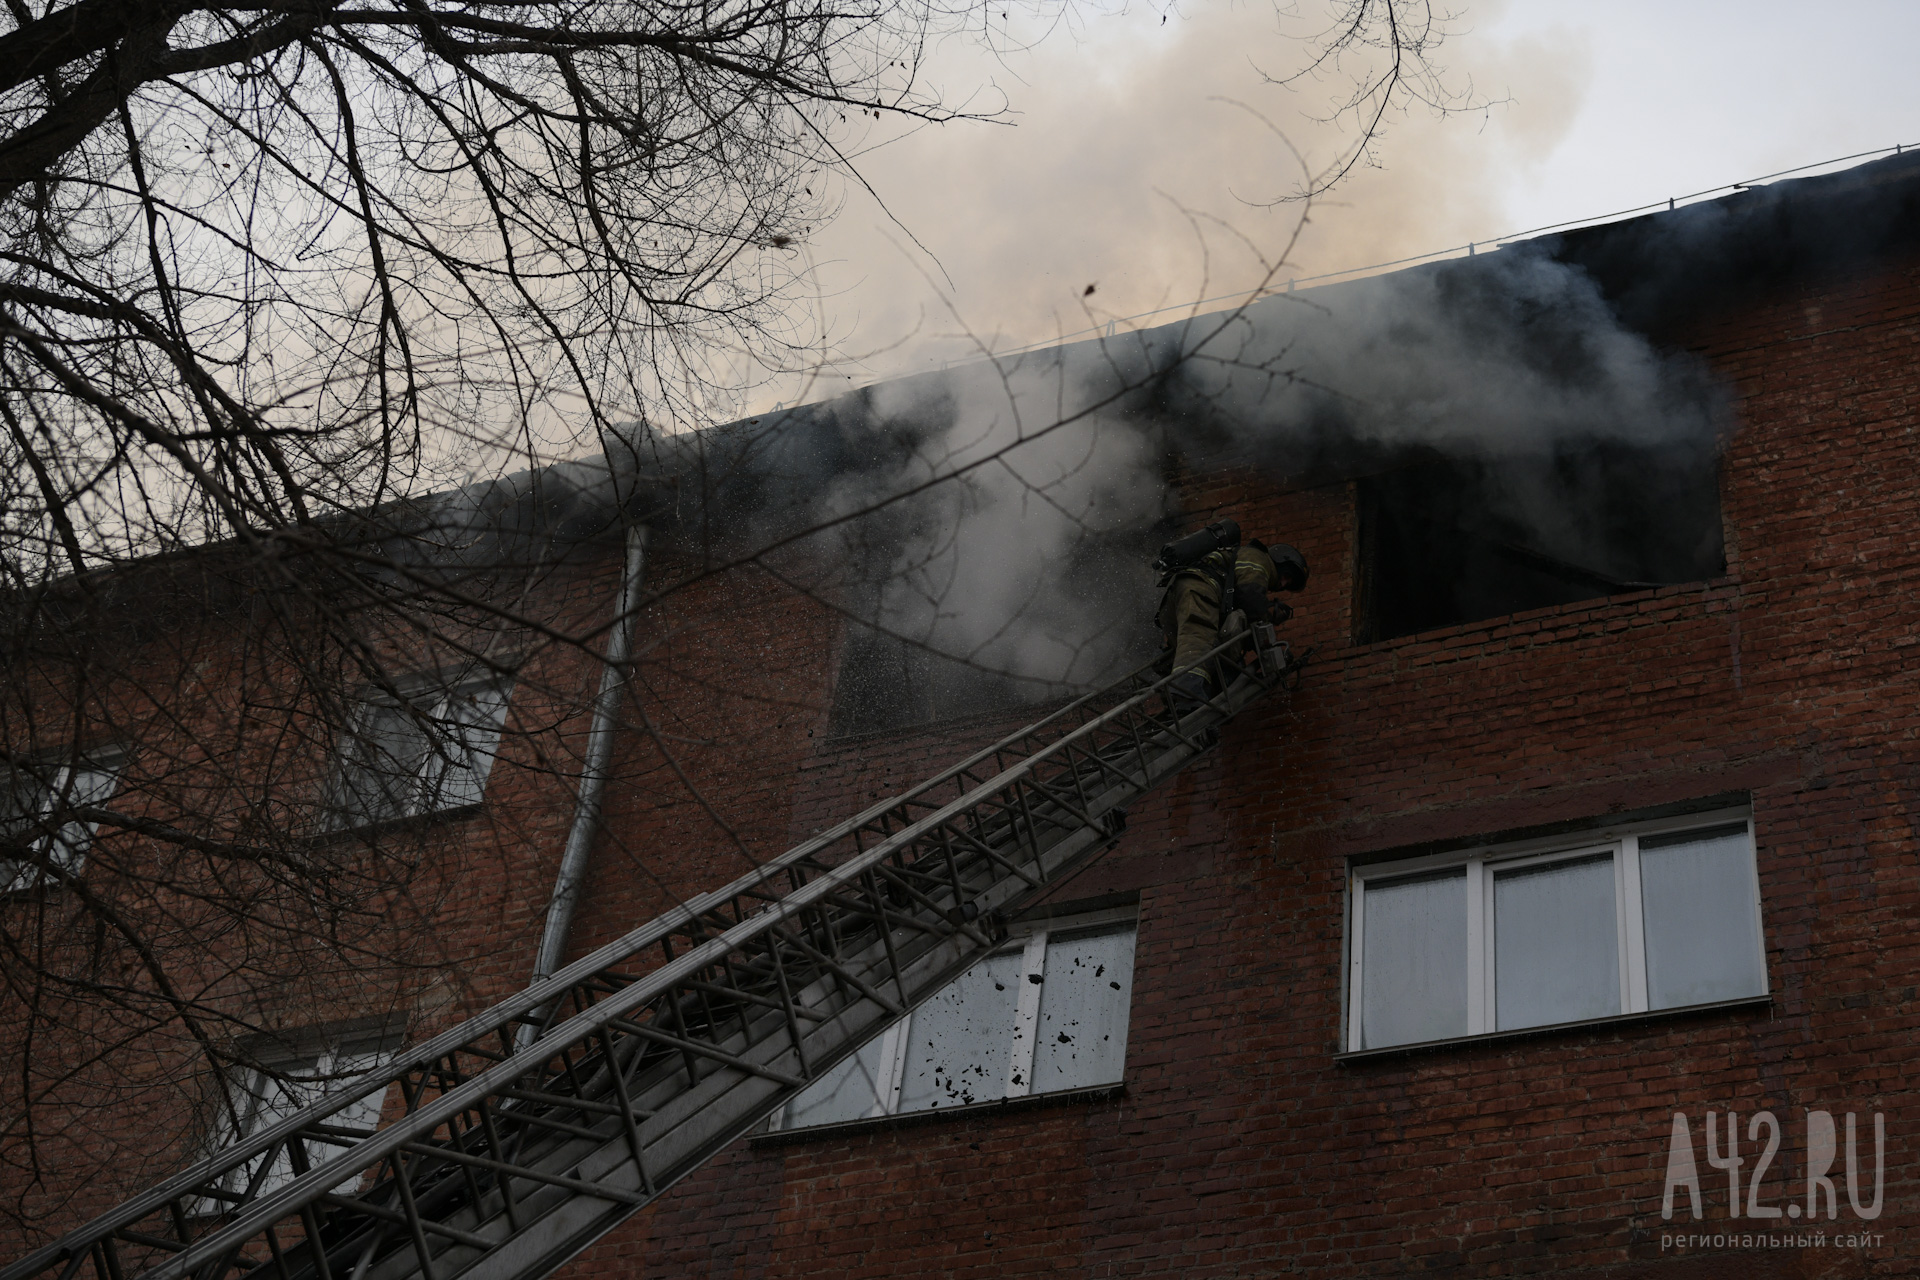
(1289, 566)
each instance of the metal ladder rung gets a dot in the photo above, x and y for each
(687, 1032)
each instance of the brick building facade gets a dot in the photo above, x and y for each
(1254, 1130)
(1245, 1140)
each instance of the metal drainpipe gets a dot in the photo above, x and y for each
(593, 774)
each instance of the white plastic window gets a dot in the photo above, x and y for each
(1416, 958)
(28, 807)
(262, 1098)
(1045, 1014)
(1645, 918)
(429, 753)
(957, 1049)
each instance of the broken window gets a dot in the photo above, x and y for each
(1454, 540)
(427, 752)
(1653, 916)
(36, 831)
(1044, 1014)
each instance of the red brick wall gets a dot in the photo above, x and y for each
(110, 1121)
(1240, 1145)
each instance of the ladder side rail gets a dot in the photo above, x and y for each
(539, 1252)
(550, 1246)
(427, 1117)
(310, 1117)
(661, 981)
(218, 1165)
(1126, 743)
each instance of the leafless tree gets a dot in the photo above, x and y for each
(1381, 52)
(285, 290)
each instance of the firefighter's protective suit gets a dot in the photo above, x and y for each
(1190, 613)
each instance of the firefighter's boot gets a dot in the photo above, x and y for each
(1188, 692)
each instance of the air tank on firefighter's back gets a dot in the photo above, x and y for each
(1198, 545)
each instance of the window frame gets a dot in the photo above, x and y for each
(425, 788)
(1621, 842)
(19, 876)
(1030, 939)
(1678, 491)
(246, 1083)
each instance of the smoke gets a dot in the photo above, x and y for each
(1040, 483)
(1146, 146)
(1144, 141)
(1509, 353)
(1029, 560)
(1001, 515)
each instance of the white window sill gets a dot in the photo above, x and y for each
(1552, 1028)
(388, 826)
(934, 1115)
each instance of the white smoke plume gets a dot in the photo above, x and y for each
(1032, 560)
(1028, 561)
(1512, 352)
(1143, 152)
(1003, 514)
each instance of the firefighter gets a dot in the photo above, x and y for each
(1208, 576)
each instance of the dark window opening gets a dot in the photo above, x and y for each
(1448, 540)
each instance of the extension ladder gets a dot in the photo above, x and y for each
(531, 1130)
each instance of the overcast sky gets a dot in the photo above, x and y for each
(1144, 146)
